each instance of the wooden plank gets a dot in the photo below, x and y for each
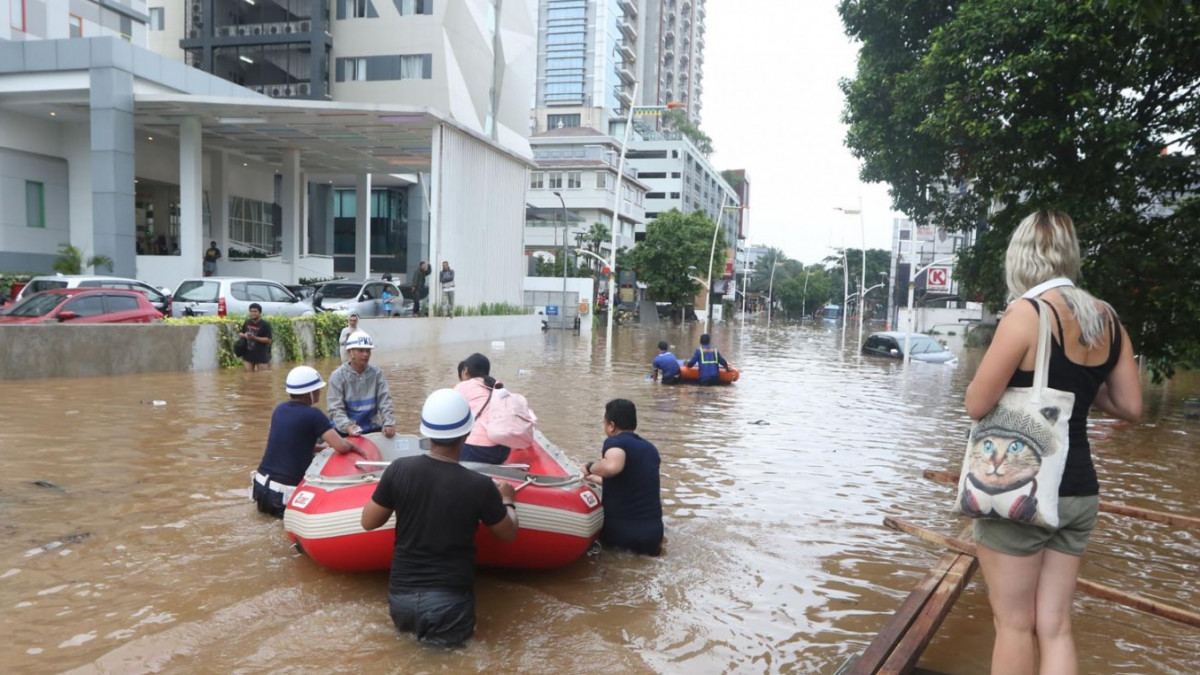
(904, 658)
(1115, 508)
(1092, 588)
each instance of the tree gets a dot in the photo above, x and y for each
(677, 119)
(70, 260)
(675, 244)
(977, 112)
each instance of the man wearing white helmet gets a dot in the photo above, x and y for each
(298, 429)
(439, 505)
(359, 399)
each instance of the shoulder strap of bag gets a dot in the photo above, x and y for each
(491, 390)
(1041, 365)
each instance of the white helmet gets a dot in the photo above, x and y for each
(359, 340)
(303, 379)
(446, 415)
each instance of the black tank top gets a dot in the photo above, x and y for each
(1079, 477)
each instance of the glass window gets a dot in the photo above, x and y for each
(574, 180)
(240, 291)
(120, 303)
(412, 67)
(91, 304)
(556, 121)
(259, 292)
(358, 9)
(35, 204)
(75, 23)
(157, 18)
(537, 180)
(601, 179)
(280, 294)
(356, 70)
(200, 291)
(16, 14)
(556, 180)
(409, 7)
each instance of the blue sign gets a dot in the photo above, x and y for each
(551, 310)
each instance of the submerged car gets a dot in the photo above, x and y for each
(364, 298)
(220, 296)
(921, 347)
(82, 305)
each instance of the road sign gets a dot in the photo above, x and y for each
(551, 310)
(938, 280)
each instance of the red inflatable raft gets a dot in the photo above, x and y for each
(560, 514)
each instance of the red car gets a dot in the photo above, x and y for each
(82, 305)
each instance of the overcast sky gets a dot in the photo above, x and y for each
(773, 107)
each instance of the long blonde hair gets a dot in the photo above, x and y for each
(1043, 247)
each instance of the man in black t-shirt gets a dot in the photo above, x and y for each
(629, 466)
(439, 505)
(257, 333)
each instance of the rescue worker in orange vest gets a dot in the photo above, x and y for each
(710, 361)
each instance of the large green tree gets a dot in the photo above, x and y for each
(675, 244)
(977, 112)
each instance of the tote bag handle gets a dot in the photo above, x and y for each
(1041, 366)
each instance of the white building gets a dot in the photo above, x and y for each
(680, 177)
(103, 144)
(932, 252)
(580, 164)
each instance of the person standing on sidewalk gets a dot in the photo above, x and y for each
(446, 279)
(418, 286)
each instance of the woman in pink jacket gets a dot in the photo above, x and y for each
(477, 386)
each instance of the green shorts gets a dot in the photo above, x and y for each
(1076, 520)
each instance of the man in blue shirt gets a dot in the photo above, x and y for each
(710, 361)
(667, 364)
(297, 431)
(628, 469)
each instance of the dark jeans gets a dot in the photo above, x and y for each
(269, 501)
(640, 536)
(488, 454)
(671, 379)
(439, 618)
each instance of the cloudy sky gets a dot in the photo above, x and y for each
(773, 107)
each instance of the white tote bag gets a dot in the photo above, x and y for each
(1017, 452)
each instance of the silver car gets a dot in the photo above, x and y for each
(921, 347)
(362, 297)
(220, 296)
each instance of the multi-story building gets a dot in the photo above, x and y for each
(580, 165)
(590, 54)
(680, 177)
(917, 247)
(62, 19)
(672, 57)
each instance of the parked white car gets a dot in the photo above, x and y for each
(220, 296)
(161, 299)
(364, 298)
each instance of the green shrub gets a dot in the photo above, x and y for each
(285, 340)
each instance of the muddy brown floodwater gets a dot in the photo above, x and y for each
(130, 547)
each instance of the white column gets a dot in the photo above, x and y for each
(290, 205)
(191, 194)
(435, 227)
(305, 216)
(362, 226)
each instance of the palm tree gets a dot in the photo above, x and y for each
(70, 260)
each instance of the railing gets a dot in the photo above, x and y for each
(277, 28)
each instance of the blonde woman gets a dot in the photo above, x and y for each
(1031, 571)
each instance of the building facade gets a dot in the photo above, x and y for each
(62, 19)
(580, 164)
(671, 66)
(931, 253)
(680, 177)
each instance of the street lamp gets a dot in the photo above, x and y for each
(562, 312)
(804, 297)
(771, 292)
(863, 281)
(911, 285)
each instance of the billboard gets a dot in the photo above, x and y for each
(937, 280)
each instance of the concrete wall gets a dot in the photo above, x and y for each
(86, 351)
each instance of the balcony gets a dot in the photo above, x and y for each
(630, 7)
(686, 7)
(626, 52)
(669, 35)
(624, 96)
(628, 29)
(626, 74)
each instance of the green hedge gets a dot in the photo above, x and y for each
(286, 342)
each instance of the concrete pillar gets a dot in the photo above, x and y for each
(112, 151)
(218, 203)
(77, 146)
(191, 195)
(302, 221)
(417, 242)
(362, 226)
(320, 219)
(290, 203)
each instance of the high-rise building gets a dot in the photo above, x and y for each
(591, 54)
(62, 19)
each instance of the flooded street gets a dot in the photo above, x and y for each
(130, 546)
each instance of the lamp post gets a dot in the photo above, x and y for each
(745, 275)
(771, 292)
(804, 297)
(562, 312)
(911, 285)
(863, 280)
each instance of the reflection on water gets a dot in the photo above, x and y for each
(131, 547)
